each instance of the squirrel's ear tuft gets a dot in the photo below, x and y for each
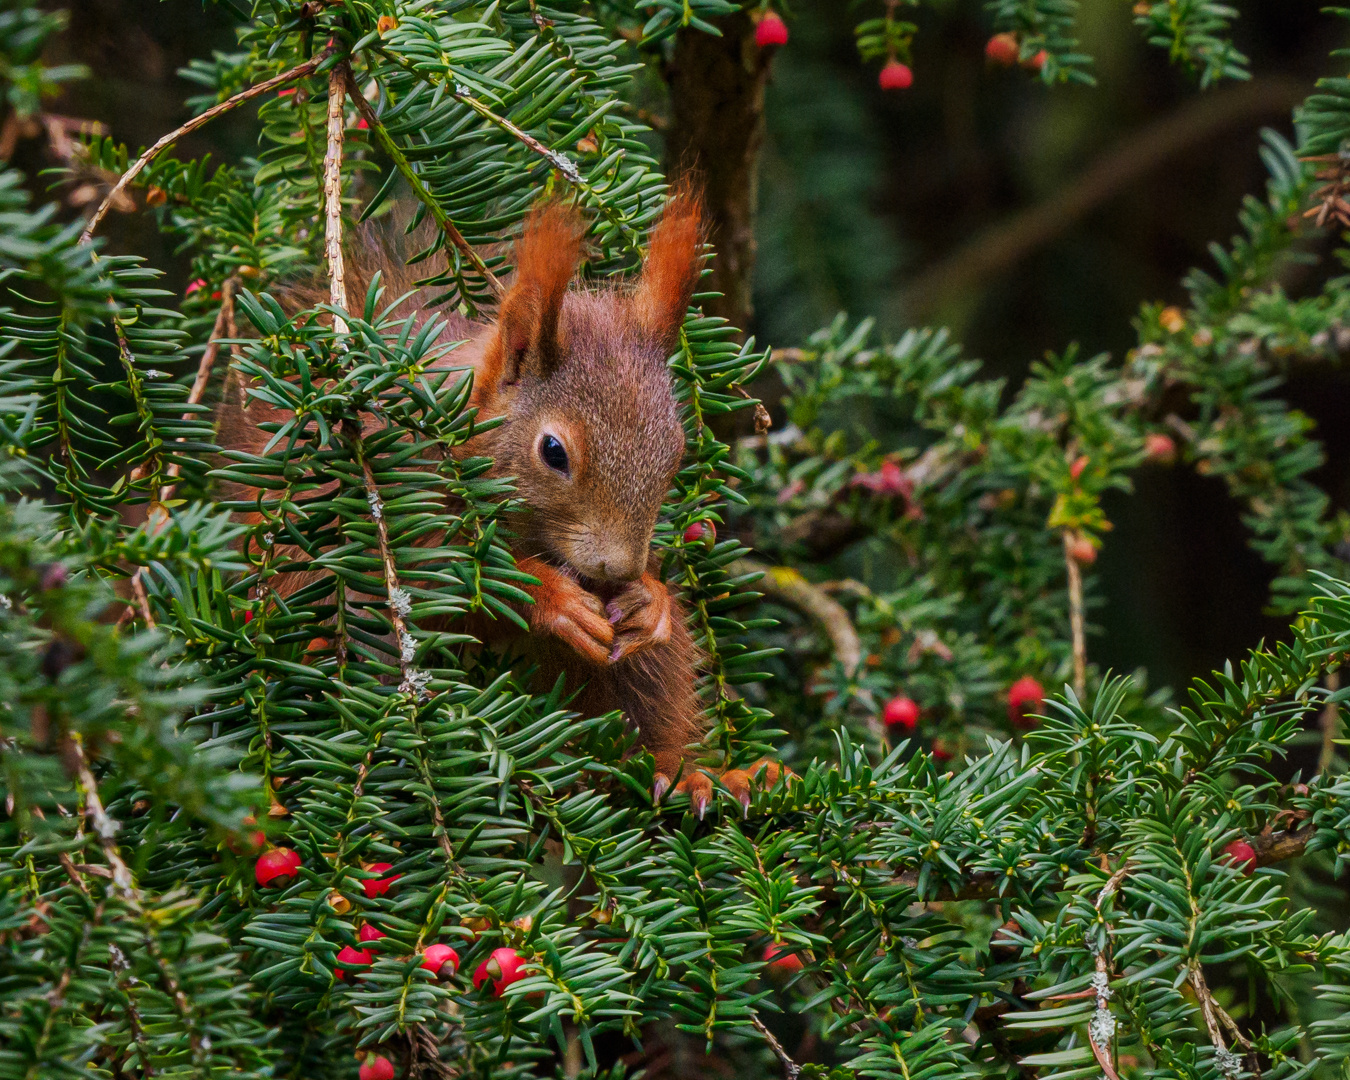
(546, 259)
(671, 271)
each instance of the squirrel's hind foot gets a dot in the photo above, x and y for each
(700, 785)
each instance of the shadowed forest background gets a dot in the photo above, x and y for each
(1022, 218)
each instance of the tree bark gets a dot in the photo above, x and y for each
(715, 134)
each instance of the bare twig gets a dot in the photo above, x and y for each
(1101, 1029)
(1275, 847)
(561, 162)
(105, 828)
(420, 189)
(1214, 1014)
(142, 600)
(790, 1068)
(121, 968)
(224, 319)
(786, 585)
(1103, 1020)
(1331, 725)
(67, 864)
(1077, 627)
(332, 195)
(298, 72)
(398, 601)
(1113, 883)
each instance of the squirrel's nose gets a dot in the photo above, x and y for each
(617, 568)
(615, 563)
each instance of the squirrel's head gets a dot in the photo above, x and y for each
(591, 430)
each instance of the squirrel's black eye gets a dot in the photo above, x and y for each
(551, 450)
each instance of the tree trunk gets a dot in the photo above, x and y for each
(715, 133)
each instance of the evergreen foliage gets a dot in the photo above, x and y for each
(1102, 889)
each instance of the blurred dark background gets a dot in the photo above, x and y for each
(1027, 218)
(1023, 218)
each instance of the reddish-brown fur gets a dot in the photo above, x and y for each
(587, 368)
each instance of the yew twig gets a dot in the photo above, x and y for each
(332, 195)
(1077, 626)
(420, 189)
(297, 72)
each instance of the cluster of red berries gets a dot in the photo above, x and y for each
(890, 479)
(771, 32)
(901, 714)
(438, 959)
(503, 967)
(1005, 50)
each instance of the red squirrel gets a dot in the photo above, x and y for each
(592, 436)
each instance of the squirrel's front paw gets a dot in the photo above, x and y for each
(641, 616)
(568, 612)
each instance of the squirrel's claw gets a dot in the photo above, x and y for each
(737, 781)
(660, 785)
(698, 786)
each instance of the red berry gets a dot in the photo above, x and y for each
(438, 956)
(1160, 449)
(1076, 469)
(771, 32)
(940, 752)
(279, 864)
(1036, 62)
(781, 961)
(1024, 698)
(1082, 550)
(901, 712)
(503, 967)
(379, 886)
(369, 933)
(376, 1067)
(193, 286)
(1002, 49)
(1242, 855)
(355, 957)
(701, 532)
(895, 76)
(287, 92)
